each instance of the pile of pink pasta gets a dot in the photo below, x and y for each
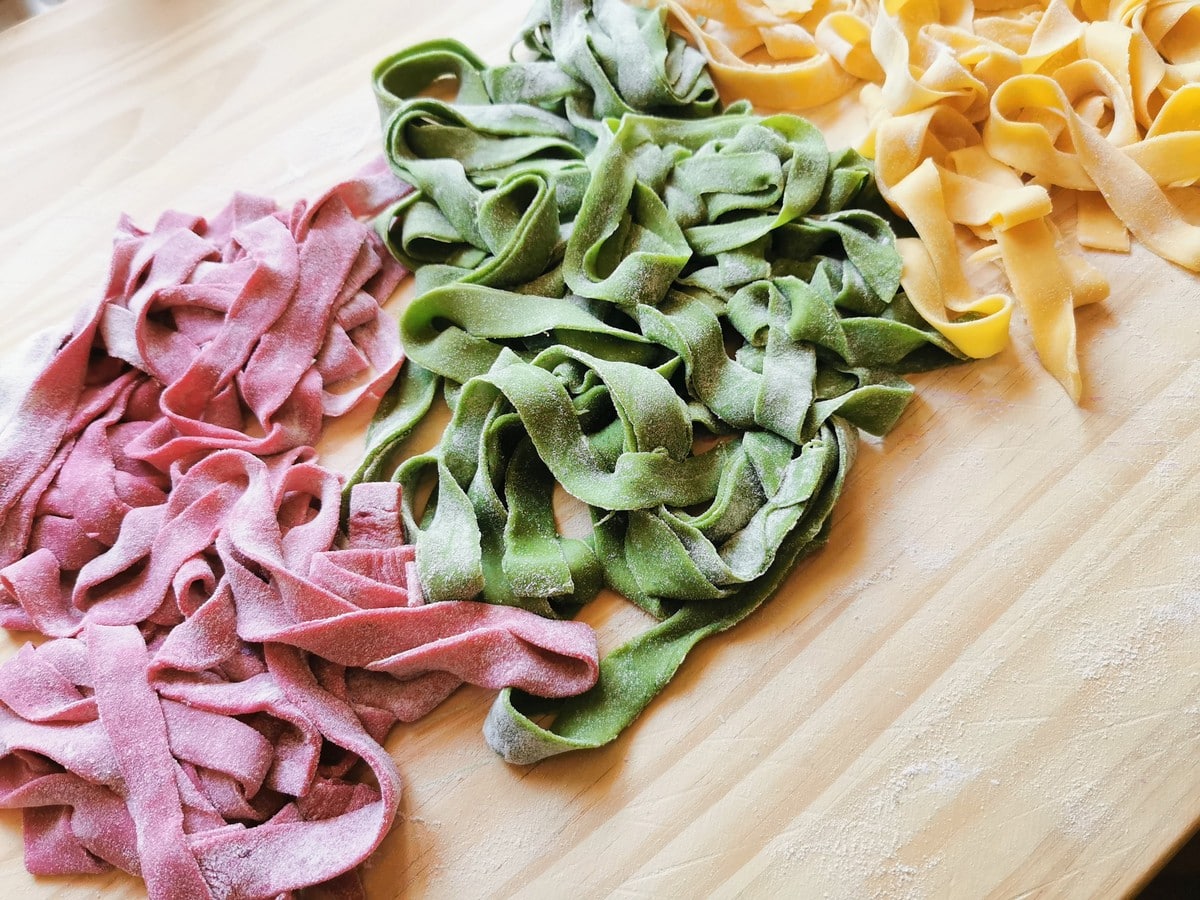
(220, 657)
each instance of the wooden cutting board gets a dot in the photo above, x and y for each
(987, 684)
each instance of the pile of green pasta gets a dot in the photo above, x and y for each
(678, 314)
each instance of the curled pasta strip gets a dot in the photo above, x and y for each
(603, 369)
(230, 736)
(810, 52)
(937, 188)
(498, 169)
(215, 667)
(1114, 164)
(1006, 100)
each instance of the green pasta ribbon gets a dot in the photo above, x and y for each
(678, 316)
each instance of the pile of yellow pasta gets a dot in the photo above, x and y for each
(978, 110)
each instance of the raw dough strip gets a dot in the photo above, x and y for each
(633, 674)
(238, 655)
(496, 171)
(580, 335)
(812, 52)
(128, 708)
(938, 188)
(213, 652)
(196, 326)
(1130, 175)
(1099, 98)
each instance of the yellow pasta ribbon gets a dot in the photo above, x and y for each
(978, 110)
(781, 54)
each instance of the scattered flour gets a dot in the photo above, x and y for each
(861, 853)
(943, 775)
(1183, 610)
(1082, 811)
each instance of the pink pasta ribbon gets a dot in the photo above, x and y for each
(219, 663)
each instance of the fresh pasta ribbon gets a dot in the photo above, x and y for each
(1098, 97)
(498, 170)
(967, 187)
(815, 77)
(216, 667)
(634, 673)
(1116, 170)
(760, 55)
(228, 737)
(685, 341)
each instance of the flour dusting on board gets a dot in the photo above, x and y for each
(943, 776)
(862, 852)
(1118, 663)
(933, 558)
(1183, 610)
(1122, 663)
(1083, 811)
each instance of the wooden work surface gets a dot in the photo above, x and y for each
(987, 684)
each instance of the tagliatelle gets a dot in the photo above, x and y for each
(816, 70)
(678, 317)
(936, 188)
(1133, 193)
(216, 665)
(979, 109)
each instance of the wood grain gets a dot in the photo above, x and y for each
(987, 685)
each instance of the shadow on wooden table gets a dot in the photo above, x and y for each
(1180, 877)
